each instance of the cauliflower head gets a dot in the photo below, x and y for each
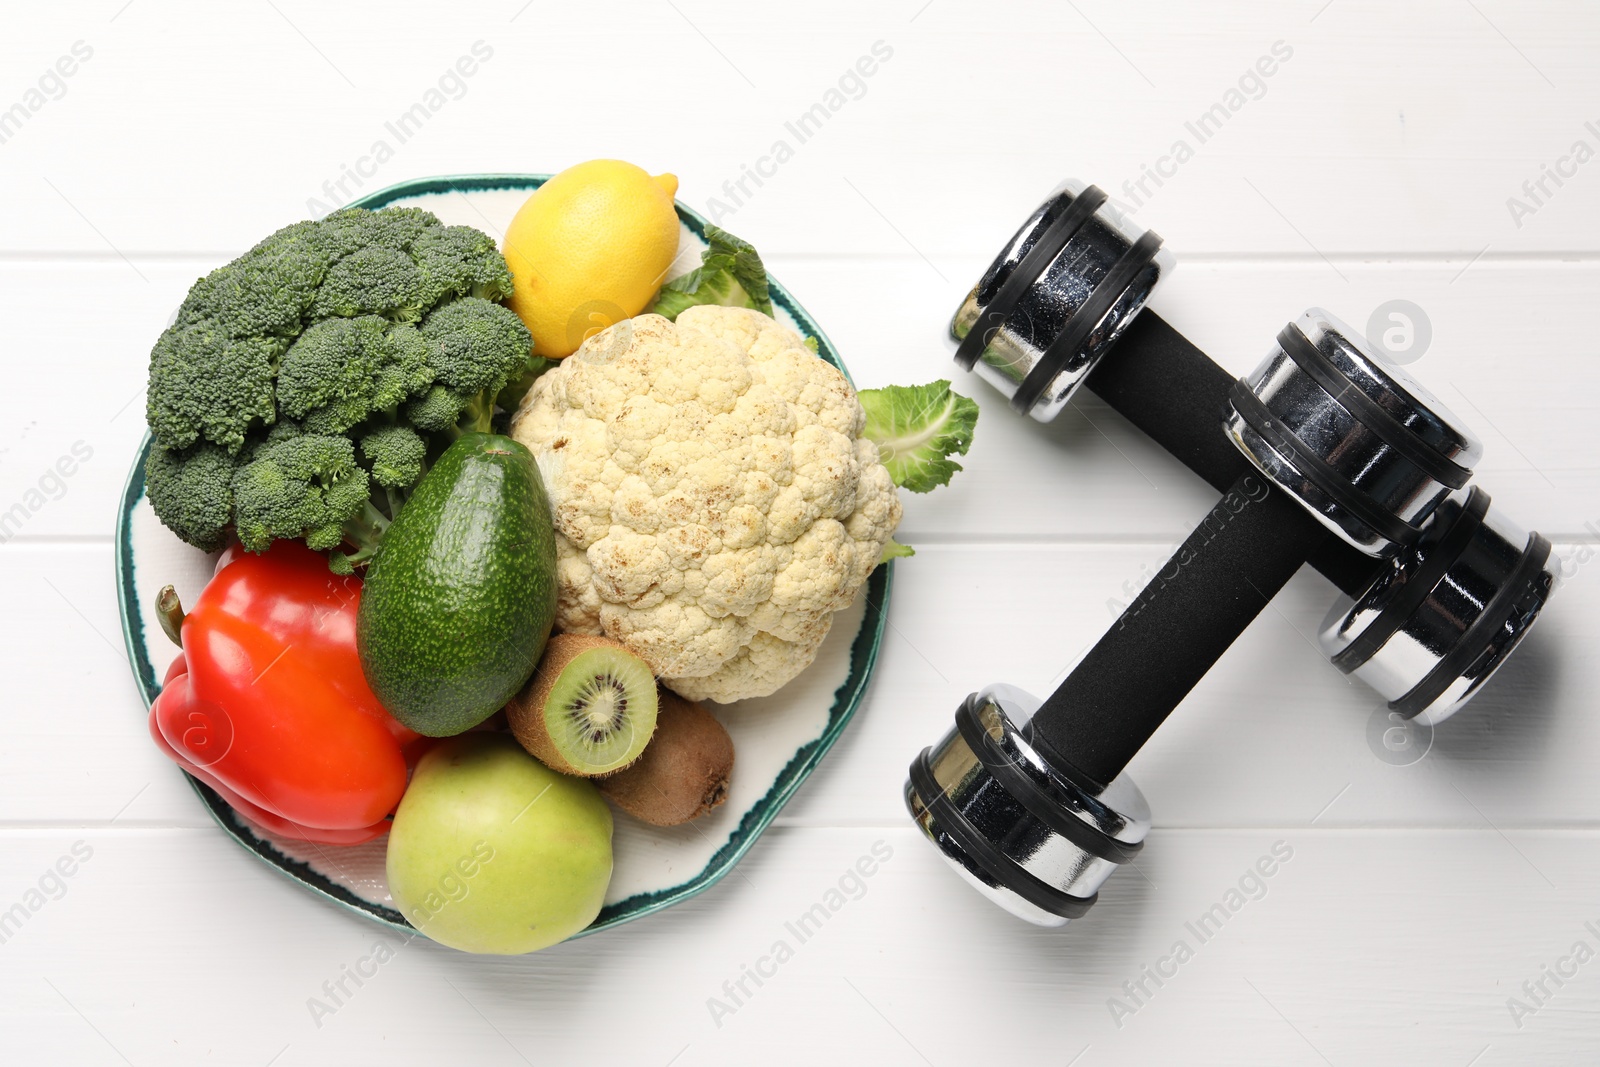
(714, 500)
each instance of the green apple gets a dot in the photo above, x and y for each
(491, 851)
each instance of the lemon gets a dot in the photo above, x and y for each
(589, 248)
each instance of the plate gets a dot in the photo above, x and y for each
(778, 740)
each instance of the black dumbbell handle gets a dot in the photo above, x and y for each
(1172, 391)
(1180, 624)
(1210, 590)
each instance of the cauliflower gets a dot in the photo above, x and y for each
(715, 502)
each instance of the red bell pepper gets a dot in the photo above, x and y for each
(267, 702)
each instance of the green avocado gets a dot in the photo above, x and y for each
(459, 600)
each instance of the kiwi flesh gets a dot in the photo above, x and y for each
(588, 710)
(683, 773)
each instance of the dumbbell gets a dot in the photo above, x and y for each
(1028, 800)
(1076, 277)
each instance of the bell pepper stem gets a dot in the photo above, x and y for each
(169, 609)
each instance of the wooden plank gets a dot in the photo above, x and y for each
(1359, 141)
(1272, 736)
(1352, 944)
(1521, 380)
(82, 753)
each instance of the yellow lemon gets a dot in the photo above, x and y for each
(589, 248)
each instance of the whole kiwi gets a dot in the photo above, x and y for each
(684, 771)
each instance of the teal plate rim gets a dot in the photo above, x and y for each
(846, 698)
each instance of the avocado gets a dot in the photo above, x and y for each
(460, 597)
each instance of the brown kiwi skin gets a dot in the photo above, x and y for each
(684, 771)
(525, 712)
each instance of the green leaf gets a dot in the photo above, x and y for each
(916, 427)
(730, 273)
(894, 550)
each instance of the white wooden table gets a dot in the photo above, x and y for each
(1377, 162)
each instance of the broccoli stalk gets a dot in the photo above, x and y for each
(363, 532)
(478, 415)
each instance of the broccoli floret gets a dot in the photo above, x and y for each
(475, 345)
(437, 410)
(476, 349)
(341, 372)
(372, 281)
(190, 492)
(282, 430)
(306, 488)
(206, 384)
(294, 235)
(268, 290)
(460, 261)
(344, 232)
(396, 455)
(330, 369)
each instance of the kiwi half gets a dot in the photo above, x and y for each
(590, 708)
(683, 774)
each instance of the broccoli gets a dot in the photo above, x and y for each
(293, 236)
(437, 410)
(348, 231)
(212, 375)
(476, 345)
(265, 292)
(377, 327)
(460, 261)
(205, 385)
(341, 372)
(397, 455)
(304, 487)
(190, 491)
(476, 348)
(372, 281)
